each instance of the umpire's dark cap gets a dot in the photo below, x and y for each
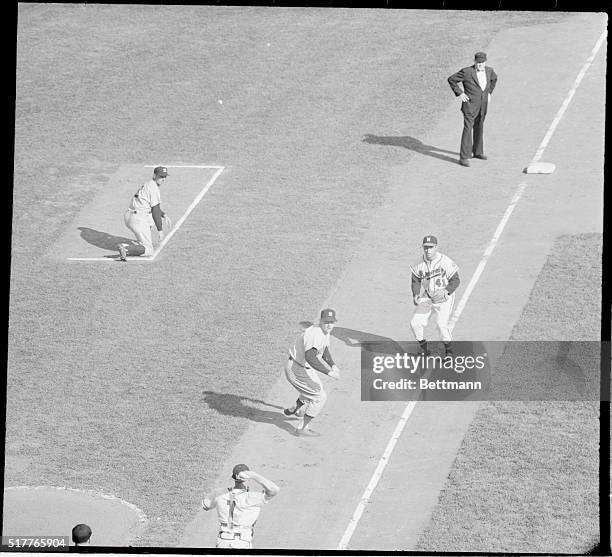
(81, 533)
(430, 241)
(239, 468)
(160, 171)
(480, 57)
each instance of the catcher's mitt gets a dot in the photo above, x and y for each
(166, 223)
(439, 296)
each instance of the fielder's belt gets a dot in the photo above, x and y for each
(228, 532)
(141, 212)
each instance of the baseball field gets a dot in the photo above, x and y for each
(309, 151)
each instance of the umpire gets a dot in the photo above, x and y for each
(473, 85)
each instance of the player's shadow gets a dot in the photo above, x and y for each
(570, 368)
(248, 408)
(413, 144)
(354, 338)
(103, 240)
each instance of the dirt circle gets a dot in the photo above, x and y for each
(53, 511)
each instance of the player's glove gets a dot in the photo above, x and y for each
(166, 223)
(439, 296)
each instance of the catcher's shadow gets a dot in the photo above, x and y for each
(103, 240)
(412, 144)
(248, 408)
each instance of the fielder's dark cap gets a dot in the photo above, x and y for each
(328, 316)
(430, 241)
(160, 171)
(480, 57)
(81, 533)
(239, 468)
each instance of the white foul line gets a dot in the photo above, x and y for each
(348, 533)
(149, 259)
(189, 209)
(382, 463)
(485, 256)
(568, 99)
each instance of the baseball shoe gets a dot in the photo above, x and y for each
(306, 432)
(464, 162)
(290, 411)
(481, 157)
(123, 249)
(302, 431)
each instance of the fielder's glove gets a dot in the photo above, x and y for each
(439, 296)
(166, 223)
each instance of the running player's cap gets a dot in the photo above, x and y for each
(328, 316)
(81, 533)
(480, 57)
(430, 241)
(239, 468)
(160, 171)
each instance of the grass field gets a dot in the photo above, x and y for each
(530, 466)
(110, 369)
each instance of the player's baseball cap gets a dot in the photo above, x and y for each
(239, 468)
(328, 316)
(81, 533)
(160, 171)
(430, 241)
(480, 57)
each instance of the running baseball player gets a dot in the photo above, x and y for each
(435, 277)
(238, 508)
(310, 354)
(144, 214)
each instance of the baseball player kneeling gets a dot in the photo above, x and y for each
(238, 509)
(435, 277)
(310, 354)
(144, 214)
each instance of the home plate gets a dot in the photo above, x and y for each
(540, 168)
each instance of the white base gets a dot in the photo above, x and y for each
(540, 168)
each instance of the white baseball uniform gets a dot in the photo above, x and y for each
(434, 276)
(237, 510)
(301, 375)
(138, 216)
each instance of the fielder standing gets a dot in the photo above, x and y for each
(238, 509)
(143, 214)
(435, 277)
(310, 354)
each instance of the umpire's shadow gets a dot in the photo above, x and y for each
(412, 144)
(246, 407)
(103, 240)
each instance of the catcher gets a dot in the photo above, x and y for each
(435, 277)
(144, 214)
(238, 508)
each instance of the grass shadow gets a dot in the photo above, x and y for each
(413, 144)
(103, 240)
(245, 407)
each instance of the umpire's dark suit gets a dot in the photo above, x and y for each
(475, 110)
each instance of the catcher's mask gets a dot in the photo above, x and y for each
(237, 469)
